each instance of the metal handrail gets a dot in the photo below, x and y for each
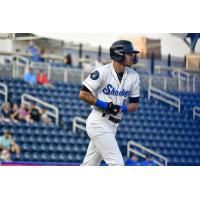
(29, 55)
(164, 68)
(129, 149)
(26, 60)
(64, 71)
(149, 151)
(193, 84)
(76, 125)
(54, 114)
(182, 76)
(195, 111)
(76, 75)
(17, 64)
(165, 98)
(4, 91)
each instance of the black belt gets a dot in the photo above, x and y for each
(115, 120)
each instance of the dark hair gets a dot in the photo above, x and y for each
(148, 156)
(69, 59)
(8, 132)
(132, 154)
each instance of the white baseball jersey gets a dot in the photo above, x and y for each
(105, 85)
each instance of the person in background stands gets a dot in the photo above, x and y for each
(14, 115)
(132, 161)
(30, 77)
(68, 60)
(31, 48)
(42, 79)
(42, 53)
(148, 161)
(34, 113)
(22, 114)
(44, 117)
(8, 145)
(5, 112)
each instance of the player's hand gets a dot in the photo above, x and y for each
(113, 109)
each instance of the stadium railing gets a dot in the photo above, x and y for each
(181, 80)
(52, 110)
(142, 151)
(182, 76)
(193, 84)
(160, 68)
(76, 124)
(196, 112)
(67, 75)
(163, 96)
(4, 91)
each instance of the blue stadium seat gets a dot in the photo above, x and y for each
(155, 125)
(27, 156)
(70, 157)
(53, 157)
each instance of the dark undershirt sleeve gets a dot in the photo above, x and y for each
(134, 99)
(84, 88)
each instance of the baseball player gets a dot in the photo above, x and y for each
(112, 90)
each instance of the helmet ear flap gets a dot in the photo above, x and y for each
(116, 54)
(122, 58)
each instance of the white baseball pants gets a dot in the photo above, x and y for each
(103, 144)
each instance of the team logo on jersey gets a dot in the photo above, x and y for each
(94, 75)
(110, 90)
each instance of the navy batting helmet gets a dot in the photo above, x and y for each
(119, 48)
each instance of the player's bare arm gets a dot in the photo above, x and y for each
(88, 97)
(132, 107)
(92, 100)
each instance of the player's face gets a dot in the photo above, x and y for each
(129, 59)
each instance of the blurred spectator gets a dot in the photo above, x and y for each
(34, 113)
(132, 161)
(148, 161)
(8, 145)
(42, 53)
(14, 114)
(17, 51)
(5, 112)
(68, 60)
(4, 155)
(44, 117)
(42, 79)
(23, 113)
(30, 77)
(31, 48)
